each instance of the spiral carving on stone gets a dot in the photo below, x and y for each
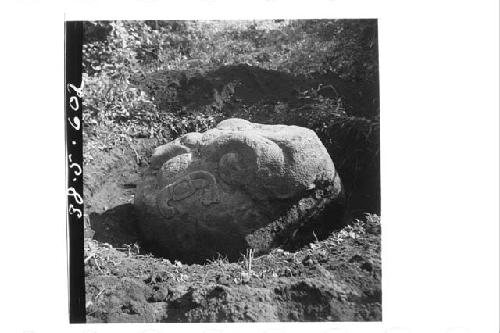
(186, 187)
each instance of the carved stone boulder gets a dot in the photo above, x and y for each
(240, 185)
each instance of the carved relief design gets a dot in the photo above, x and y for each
(186, 187)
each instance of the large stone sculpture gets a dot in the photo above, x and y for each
(236, 186)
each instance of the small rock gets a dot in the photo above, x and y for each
(159, 295)
(245, 277)
(313, 246)
(356, 258)
(342, 297)
(323, 271)
(308, 261)
(367, 266)
(223, 279)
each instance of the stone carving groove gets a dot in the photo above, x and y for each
(186, 187)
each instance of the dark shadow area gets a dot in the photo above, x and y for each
(354, 146)
(191, 243)
(229, 88)
(316, 227)
(119, 227)
(244, 85)
(298, 227)
(226, 90)
(116, 226)
(302, 223)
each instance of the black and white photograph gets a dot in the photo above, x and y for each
(265, 166)
(231, 170)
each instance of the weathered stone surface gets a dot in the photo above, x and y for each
(236, 186)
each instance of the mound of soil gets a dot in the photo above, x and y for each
(229, 87)
(247, 85)
(224, 89)
(337, 279)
